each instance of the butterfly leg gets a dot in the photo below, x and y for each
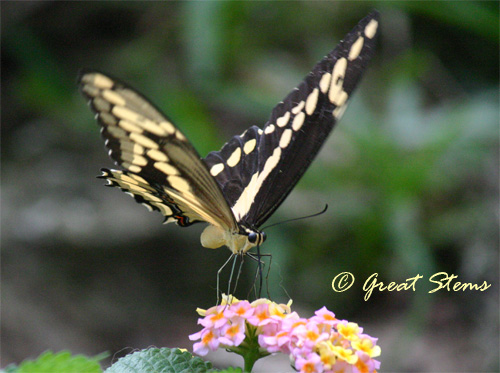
(233, 256)
(233, 291)
(258, 273)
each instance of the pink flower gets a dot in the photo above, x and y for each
(232, 334)
(214, 317)
(278, 342)
(365, 364)
(209, 342)
(325, 317)
(312, 363)
(242, 309)
(260, 315)
(309, 335)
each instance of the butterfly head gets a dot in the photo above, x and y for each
(256, 237)
(239, 242)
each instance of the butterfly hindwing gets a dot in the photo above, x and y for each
(163, 170)
(256, 182)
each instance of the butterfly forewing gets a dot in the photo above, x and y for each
(163, 170)
(258, 169)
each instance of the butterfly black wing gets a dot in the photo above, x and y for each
(258, 169)
(163, 171)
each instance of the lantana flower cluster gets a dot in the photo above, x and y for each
(321, 343)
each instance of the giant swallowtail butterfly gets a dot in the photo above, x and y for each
(235, 190)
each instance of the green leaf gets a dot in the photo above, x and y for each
(230, 370)
(160, 360)
(60, 362)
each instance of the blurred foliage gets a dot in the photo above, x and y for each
(58, 362)
(410, 174)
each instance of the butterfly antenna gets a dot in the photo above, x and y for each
(295, 219)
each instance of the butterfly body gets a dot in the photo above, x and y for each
(238, 188)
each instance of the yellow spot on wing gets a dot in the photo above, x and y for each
(167, 126)
(129, 126)
(298, 121)
(324, 82)
(234, 158)
(135, 159)
(131, 147)
(356, 48)
(286, 137)
(371, 29)
(131, 167)
(152, 127)
(157, 155)
(113, 97)
(337, 81)
(249, 146)
(166, 168)
(298, 108)
(144, 141)
(312, 101)
(179, 183)
(216, 169)
(125, 113)
(269, 129)
(179, 135)
(98, 80)
(282, 121)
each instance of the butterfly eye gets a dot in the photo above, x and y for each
(264, 236)
(252, 237)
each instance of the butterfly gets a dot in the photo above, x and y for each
(234, 190)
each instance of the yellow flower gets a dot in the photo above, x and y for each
(277, 310)
(229, 299)
(325, 350)
(201, 311)
(345, 354)
(366, 345)
(260, 301)
(349, 331)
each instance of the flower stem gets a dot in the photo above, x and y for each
(250, 358)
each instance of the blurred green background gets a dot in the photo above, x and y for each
(410, 174)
